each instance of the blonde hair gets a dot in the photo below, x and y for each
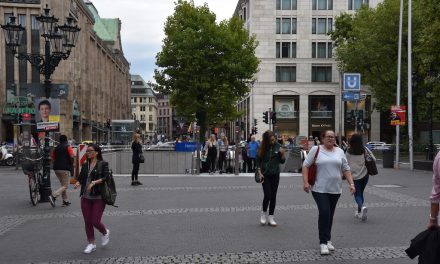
(136, 136)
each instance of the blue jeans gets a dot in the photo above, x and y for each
(359, 194)
(326, 203)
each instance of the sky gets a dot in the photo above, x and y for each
(142, 27)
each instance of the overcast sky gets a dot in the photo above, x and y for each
(142, 26)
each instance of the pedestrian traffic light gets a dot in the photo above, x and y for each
(274, 117)
(266, 117)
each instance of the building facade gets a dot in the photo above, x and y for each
(144, 107)
(96, 73)
(164, 118)
(298, 77)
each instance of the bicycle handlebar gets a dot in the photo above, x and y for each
(37, 159)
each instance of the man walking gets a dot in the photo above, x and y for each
(62, 165)
(252, 153)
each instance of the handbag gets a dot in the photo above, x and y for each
(141, 158)
(370, 163)
(257, 175)
(311, 177)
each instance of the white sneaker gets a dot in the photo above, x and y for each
(272, 221)
(105, 238)
(263, 218)
(330, 246)
(324, 250)
(356, 214)
(90, 248)
(363, 214)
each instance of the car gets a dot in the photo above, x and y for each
(375, 145)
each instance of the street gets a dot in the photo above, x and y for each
(215, 219)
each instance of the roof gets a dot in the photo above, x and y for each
(108, 29)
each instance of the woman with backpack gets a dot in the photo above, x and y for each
(93, 173)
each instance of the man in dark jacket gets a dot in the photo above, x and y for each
(426, 245)
(62, 158)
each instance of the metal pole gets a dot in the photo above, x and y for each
(341, 111)
(45, 189)
(269, 118)
(355, 119)
(237, 151)
(399, 66)
(410, 117)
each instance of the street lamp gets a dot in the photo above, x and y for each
(59, 41)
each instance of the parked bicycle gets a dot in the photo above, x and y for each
(33, 168)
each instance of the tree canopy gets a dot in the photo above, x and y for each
(367, 42)
(205, 66)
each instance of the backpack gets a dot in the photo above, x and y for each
(108, 187)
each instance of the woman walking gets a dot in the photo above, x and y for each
(211, 152)
(223, 145)
(93, 173)
(331, 163)
(136, 147)
(270, 156)
(356, 160)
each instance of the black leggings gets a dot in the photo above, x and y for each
(135, 172)
(221, 160)
(270, 188)
(326, 203)
(211, 162)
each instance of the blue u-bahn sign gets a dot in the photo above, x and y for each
(352, 82)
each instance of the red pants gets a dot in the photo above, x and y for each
(92, 211)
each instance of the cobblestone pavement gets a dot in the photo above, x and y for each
(187, 219)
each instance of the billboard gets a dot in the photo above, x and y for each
(398, 115)
(47, 114)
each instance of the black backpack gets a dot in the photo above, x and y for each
(108, 187)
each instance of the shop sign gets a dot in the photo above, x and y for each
(398, 115)
(18, 110)
(322, 126)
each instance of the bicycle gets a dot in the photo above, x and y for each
(33, 169)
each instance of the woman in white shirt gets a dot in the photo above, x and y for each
(331, 163)
(356, 160)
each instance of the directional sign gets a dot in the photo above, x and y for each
(352, 82)
(350, 96)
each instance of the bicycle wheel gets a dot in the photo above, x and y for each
(34, 189)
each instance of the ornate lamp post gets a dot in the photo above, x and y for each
(59, 41)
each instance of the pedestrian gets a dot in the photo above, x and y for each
(211, 152)
(136, 148)
(62, 157)
(93, 173)
(270, 156)
(244, 156)
(331, 163)
(222, 150)
(435, 193)
(252, 153)
(356, 160)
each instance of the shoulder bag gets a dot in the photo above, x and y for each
(370, 163)
(258, 171)
(311, 177)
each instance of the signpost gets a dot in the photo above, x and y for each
(351, 92)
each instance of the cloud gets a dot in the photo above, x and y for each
(142, 26)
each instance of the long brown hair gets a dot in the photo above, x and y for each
(97, 149)
(265, 143)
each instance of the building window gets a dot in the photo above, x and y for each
(150, 100)
(142, 117)
(135, 99)
(286, 74)
(286, 49)
(286, 26)
(322, 50)
(150, 118)
(286, 4)
(150, 108)
(321, 73)
(322, 4)
(150, 127)
(244, 14)
(142, 108)
(357, 4)
(322, 25)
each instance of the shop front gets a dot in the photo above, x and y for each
(286, 108)
(321, 115)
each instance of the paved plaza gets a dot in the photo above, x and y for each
(215, 219)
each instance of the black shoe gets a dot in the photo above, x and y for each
(138, 183)
(66, 203)
(133, 183)
(51, 200)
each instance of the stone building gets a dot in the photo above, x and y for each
(144, 107)
(97, 73)
(164, 118)
(298, 77)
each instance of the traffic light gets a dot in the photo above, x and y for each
(108, 123)
(255, 122)
(274, 117)
(266, 117)
(256, 130)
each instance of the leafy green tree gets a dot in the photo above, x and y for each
(367, 42)
(205, 67)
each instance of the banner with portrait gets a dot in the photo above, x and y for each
(47, 114)
(398, 115)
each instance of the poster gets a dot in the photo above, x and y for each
(398, 115)
(47, 114)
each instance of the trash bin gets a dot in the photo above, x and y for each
(388, 158)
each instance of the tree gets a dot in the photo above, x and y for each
(367, 42)
(205, 67)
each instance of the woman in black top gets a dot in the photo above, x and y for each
(136, 147)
